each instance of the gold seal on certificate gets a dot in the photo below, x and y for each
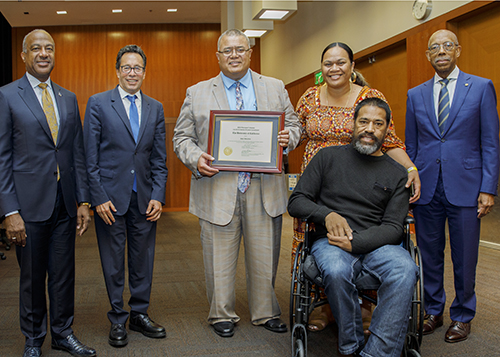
(246, 140)
(228, 151)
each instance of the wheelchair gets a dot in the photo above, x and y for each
(305, 295)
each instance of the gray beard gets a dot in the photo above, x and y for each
(366, 149)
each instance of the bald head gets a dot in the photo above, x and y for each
(443, 52)
(442, 33)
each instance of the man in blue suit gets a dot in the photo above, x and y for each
(43, 194)
(452, 137)
(124, 135)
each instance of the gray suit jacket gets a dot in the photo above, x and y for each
(214, 198)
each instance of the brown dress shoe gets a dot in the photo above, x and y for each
(458, 331)
(431, 323)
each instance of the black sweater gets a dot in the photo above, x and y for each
(368, 191)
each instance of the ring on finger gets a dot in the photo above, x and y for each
(13, 238)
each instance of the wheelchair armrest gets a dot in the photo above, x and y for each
(409, 220)
(311, 270)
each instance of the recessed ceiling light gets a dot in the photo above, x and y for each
(273, 14)
(171, 10)
(255, 33)
(116, 11)
(61, 12)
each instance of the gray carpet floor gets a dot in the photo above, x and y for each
(179, 303)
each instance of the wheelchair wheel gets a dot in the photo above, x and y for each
(416, 324)
(295, 285)
(411, 353)
(299, 341)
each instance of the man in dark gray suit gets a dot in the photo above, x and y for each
(43, 194)
(124, 133)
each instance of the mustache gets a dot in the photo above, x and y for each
(368, 135)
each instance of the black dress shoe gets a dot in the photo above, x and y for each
(72, 345)
(30, 351)
(143, 324)
(118, 335)
(276, 325)
(224, 328)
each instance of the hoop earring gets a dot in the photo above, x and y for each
(354, 76)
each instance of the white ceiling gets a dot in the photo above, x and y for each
(43, 13)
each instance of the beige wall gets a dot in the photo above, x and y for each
(360, 24)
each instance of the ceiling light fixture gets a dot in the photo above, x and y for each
(273, 14)
(61, 12)
(116, 11)
(171, 10)
(254, 33)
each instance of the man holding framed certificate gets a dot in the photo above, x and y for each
(231, 204)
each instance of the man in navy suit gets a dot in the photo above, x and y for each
(452, 137)
(43, 194)
(124, 135)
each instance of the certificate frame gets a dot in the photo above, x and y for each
(246, 140)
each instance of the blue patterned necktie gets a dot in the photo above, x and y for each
(243, 177)
(134, 124)
(443, 105)
(133, 116)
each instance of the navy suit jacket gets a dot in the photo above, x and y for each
(29, 157)
(467, 152)
(113, 157)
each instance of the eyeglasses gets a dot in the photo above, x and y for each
(229, 51)
(127, 69)
(447, 46)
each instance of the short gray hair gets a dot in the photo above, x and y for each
(231, 33)
(25, 49)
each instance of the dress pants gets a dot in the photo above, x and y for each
(49, 250)
(464, 228)
(221, 244)
(134, 230)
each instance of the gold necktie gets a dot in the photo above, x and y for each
(50, 114)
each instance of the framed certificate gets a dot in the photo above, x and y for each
(246, 140)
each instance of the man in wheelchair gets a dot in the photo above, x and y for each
(356, 197)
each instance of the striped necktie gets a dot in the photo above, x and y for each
(243, 177)
(50, 114)
(443, 105)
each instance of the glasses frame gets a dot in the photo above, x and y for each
(240, 51)
(434, 48)
(142, 69)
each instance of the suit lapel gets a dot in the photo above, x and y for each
(145, 110)
(28, 95)
(461, 91)
(117, 104)
(428, 100)
(63, 110)
(219, 93)
(260, 90)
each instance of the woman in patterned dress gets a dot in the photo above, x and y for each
(326, 114)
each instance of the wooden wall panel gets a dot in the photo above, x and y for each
(178, 56)
(295, 91)
(388, 75)
(480, 41)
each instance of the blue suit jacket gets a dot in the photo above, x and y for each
(29, 158)
(468, 151)
(113, 157)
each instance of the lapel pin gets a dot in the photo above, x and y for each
(466, 84)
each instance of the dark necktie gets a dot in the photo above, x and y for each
(243, 177)
(443, 105)
(134, 124)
